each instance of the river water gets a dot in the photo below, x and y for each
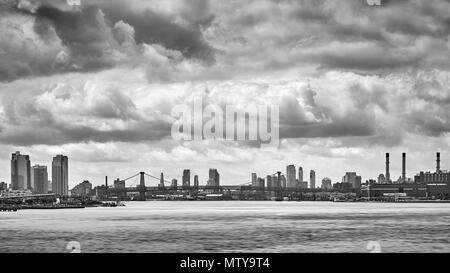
(231, 226)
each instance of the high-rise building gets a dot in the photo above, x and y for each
(174, 184)
(186, 178)
(254, 179)
(275, 182)
(300, 174)
(196, 181)
(260, 183)
(283, 181)
(312, 179)
(326, 184)
(214, 177)
(352, 179)
(290, 176)
(20, 172)
(40, 179)
(60, 175)
(269, 181)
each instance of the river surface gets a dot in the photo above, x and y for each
(231, 226)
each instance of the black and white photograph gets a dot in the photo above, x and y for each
(224, 126)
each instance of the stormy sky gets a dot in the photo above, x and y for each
(98, 81)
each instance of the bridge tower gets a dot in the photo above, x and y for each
(142, 187)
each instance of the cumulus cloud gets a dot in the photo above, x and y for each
(100, 79)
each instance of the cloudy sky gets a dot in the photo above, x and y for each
(98, 81)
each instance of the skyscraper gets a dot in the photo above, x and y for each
(196, 181)
(214, 177)
(20, 172)
(174, 184)
(254, 179)
(290, 176)
(312, 179)
(283, 181)
(186, 181)
(60, 175)
(269, 181)
(40, 179)
(275, 181)
(300, 174)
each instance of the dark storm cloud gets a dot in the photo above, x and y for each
(151, 28)
(84, 33)
(82, 38)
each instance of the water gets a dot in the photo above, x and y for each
(231, 226)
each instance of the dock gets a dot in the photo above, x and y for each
(8, 208)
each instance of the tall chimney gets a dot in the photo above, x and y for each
(388, 176)
(403, 167)
(438, 162)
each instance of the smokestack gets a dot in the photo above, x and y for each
(438, 162)
(388, 176)
(404, 167)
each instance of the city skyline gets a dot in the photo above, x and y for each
(352, 82)
(185, 177)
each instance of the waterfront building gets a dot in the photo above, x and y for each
(381, 179)
(345, 187)
(326, 184)
(283, 181)
(312, 179)
(302, 185)
(60, 175)
(40, 179)
(118, 184)
(174, 184)
(20, 172)
(84, 188)
(101, 192)
(269, 181)
(254, 180)
(383, 190)
(3, 186)
(353, 179)
(260, 183)
(214, 177)
(275, 181)
(186, 180)
(290, 176)
(441, 177)
(196, 184)
(300, 174)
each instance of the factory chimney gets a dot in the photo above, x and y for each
(403, 167)
(388, 176)
(438, 162)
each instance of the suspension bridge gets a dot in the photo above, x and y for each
(165, 187)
